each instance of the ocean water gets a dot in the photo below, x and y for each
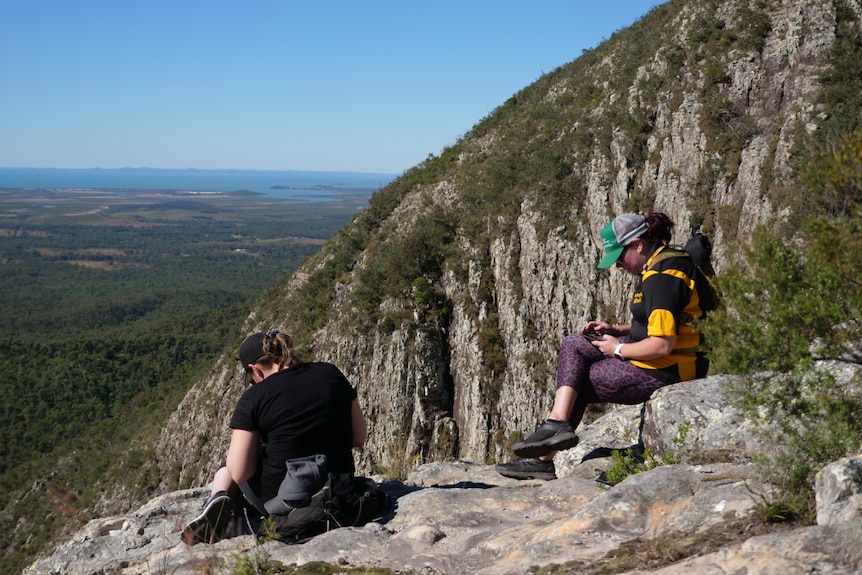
(268, 182)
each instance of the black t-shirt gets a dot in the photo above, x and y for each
(299, 412)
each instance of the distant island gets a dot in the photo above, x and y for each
(317, 188)
(255, 181)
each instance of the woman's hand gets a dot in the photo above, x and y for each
(597, 327)
(607, 344)
(606, 328)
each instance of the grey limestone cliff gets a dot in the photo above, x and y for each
(701, 119)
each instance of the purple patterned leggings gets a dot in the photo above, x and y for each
(598, 378)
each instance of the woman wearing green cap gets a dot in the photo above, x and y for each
(622, 363)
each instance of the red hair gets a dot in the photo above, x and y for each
(659, 228)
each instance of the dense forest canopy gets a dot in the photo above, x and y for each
(108, 314)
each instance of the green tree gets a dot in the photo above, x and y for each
(791, 301)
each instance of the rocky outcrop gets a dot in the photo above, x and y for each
(462, 517)
(720, 93)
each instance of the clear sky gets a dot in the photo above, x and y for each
(325, 85)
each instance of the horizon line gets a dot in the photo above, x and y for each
(199, 170)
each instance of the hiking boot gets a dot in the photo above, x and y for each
(210, 524)
(532, 468)
(552, 435)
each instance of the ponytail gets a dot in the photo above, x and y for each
(659, 228)
(278, 349)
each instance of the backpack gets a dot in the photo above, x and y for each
(699, 249)
(311, 501)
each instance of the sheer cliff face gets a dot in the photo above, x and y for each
(698, 110)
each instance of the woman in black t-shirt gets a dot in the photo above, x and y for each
(293, 413)
(622, 363)
(292, 410)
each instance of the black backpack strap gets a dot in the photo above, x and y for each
(666, 253)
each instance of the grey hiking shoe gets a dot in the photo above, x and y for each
(552, 435)
(531, 468)
(210, 524)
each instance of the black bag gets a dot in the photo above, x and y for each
(356, 501)
(302, 523)
(304, 478)
(699, 248)
(312, 501)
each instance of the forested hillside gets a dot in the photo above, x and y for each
(106, 318)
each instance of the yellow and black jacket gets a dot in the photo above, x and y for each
(666, 304)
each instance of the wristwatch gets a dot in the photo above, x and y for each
(617, 353)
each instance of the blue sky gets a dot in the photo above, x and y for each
(365, 86)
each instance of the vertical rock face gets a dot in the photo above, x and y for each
(700, 118)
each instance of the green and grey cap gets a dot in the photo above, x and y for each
(618, 234)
